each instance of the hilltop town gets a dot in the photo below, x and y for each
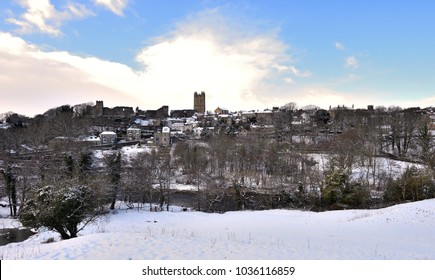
(281, 157)
(110, 126)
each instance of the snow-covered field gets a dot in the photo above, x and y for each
(404, 231)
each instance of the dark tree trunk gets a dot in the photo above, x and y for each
(115, 193)
(63, 234)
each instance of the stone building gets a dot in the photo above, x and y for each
(133, 134)
(161, 113)
(108, 137)
(114, 119)
(199, 102)
(221, 111)
(163, 137)
(186, 113)
(118, 112)
(98, 108)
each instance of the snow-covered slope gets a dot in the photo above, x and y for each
(404, 231)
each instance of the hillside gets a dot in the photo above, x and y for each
(400, 232)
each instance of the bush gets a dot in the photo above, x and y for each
(356, 195)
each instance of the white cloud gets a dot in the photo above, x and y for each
(299, 73)
(211, 53)
(34, 80)
(289, 80)
(339, 46)
(115, 6)
(236, 67)
(351, 62)
(323, 97)
(42, 16)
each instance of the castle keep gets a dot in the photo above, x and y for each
(199, 102)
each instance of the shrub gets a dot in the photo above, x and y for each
(356, 195)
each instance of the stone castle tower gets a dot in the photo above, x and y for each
(199, 102)
(98, 109)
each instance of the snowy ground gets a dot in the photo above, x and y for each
(404, 231)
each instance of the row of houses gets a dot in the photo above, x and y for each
(162, 131)
(109, 138)
(162, 128)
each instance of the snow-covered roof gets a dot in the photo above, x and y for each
(143, 122)
(91, 139)
(166, 129)
(108, 133)
(178, 125)
(256, 112)
(27, 147)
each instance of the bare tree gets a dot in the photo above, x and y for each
(163, 174)
(114, 164)
(11, 188)
(138, 179)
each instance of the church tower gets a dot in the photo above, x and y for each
(199, 102)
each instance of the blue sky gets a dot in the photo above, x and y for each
(243, 54)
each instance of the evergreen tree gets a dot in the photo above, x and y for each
(335, 182)
(66, 208)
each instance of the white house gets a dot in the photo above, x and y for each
(108, 137)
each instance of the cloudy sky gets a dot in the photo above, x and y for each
(245, 54)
